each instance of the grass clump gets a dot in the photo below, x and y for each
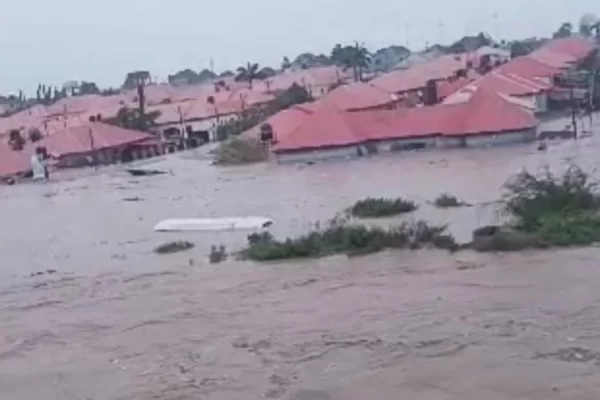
(381, 207)
(546, 210)
(173, 247)
(351, 239)
(445, 200)
(240, 150)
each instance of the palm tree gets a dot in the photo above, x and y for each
(356, 57)
(249, 73)
(361, 59)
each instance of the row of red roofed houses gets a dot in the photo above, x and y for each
(74, 132)
(390, 104)
(499, 107)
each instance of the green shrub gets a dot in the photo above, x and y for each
(448, 201)
(173, 247)
(350, 239)
(530, 198)
(570, 229)
(240, 150)
(381, 207)
(547, 210)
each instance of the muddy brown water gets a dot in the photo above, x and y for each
(116, 321)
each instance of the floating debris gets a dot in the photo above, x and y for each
(145, 172)
(173, 247)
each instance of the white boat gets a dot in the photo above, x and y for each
(212, 224)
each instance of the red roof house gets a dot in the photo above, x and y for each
(328, 127)
(92, 136)
(14, 162)
(359, 96)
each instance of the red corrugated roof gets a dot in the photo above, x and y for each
(487, 112)
(528, 67)
(327, 127)
(574, 46)
(78, 139)
(557, 60)
(448, 87)
(417, 76)
(509, 84)
(14, 162)
(359, 96)
(283, 123)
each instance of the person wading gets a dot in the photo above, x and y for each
(39, 164)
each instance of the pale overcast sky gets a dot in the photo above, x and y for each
(52, 41)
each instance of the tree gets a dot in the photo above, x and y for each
(310, 60)
(523, 47)
(226, 74)
(131, 118)
(565, 30)
(295, 94)
(286, 64)
(185, 77)
(34, 135)
(589, 24)
(133, 79)
(206, 75)
(470, 43)
(356, 57)
(16, 140)
(249, 73)
(86, 88)
(266, 72)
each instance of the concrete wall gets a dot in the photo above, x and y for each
(485, 140)
(320, 155)
(386, 146)
(199, 125)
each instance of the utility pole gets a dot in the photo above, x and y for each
(93, 149)
(573, 113)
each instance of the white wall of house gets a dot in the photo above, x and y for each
(539, 101)
(206, 124)
(319, 155)
(487, 139)
(385, 146)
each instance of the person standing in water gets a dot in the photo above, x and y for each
(38, 165)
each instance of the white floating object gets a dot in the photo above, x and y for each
(212, 224)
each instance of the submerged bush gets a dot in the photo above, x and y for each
(530, 198)
(240, 150)
(447, 201)
(547, 210)
(217, 254)
(381, 207)
(350, 239)
(173, 247)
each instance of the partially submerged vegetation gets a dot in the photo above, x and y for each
(545, 210)
(340, 237)
(240, 150)
(445, 200)
(173, 247)
(381, 207)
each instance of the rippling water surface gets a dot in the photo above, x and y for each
(117, 321)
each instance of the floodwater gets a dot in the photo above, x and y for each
(118, 322)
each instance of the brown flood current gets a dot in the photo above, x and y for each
(118, 322)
